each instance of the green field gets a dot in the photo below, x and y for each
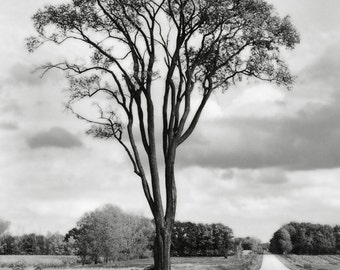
(249, 262)
(316, 262)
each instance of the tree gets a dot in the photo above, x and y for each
(56, 244)
(108, 234)
(7, 245)
(305, 238)
(337, 238)
(190, 239)
(251, 243)
(4, 225)
(28, 244)
(157, 58)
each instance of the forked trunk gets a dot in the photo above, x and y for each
(164, 223)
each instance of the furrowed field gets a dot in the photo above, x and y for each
(248, 262)
(312, 262)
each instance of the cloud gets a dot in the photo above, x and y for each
(55, 137)
(11, 106)
(258, 178)
(21, 73)
(306, 142)
(297, 131)
(9, 126)
(28, 75)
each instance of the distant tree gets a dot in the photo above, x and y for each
(285, 243)
(138, 236)
(55, 244)
(4, 225)
(250, 243)
(78, 239)
(41, 246)
(205, 45)
(28, 244)
(304, 238)
(324, 240)
(191, 239)
(222, 238)
(7, 245)
(108, 234)
(32, 244)
(337, 238)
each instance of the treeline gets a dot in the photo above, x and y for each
(190, 239)
(108, 234)
(33, 244)
(306, 238)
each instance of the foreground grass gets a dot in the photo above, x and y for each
(315, 262)
(248, 262)
(43, 261)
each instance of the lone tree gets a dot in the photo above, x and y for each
(154, 59)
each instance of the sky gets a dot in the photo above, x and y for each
(261, 156)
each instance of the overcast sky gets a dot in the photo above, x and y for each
(261, 157)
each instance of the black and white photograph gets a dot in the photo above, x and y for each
(169, 134)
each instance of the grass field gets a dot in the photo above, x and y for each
(249, 262)
(317, 262)
(44, 261)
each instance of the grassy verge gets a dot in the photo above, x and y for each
(248, 262)
(315, 262)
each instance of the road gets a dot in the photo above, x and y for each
(270, 262)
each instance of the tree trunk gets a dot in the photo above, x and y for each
(162, 249)
(164, 226)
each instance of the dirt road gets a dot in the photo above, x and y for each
(270, 262)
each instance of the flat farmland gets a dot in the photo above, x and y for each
(311, 262)
(249, 262)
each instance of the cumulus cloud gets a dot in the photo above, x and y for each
(307, 142)
(55, 137)
(303, 133)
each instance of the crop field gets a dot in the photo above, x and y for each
(249, 262)
(315, 262)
